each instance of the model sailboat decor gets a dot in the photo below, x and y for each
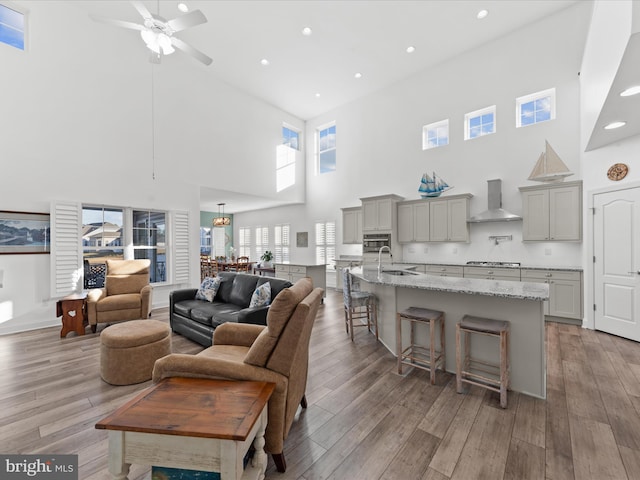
(549, 167)
(432, 186)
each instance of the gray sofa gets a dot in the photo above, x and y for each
(197, 319)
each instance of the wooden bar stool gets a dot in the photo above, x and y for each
(425, 357)
(488, 375)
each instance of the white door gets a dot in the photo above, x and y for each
(617, 262)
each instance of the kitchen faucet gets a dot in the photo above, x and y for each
(380, 257)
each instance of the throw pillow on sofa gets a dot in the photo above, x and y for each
(208, 289)
(261, 296)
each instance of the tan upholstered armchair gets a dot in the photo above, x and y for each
(277, 353)
(125, 296)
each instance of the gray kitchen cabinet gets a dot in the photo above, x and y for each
(294, 272)
(445, 270)
(413, 221)
(492, 273)
(565, 291)
(378, 213)
(552, 212)
(352, 225)
(448, 219)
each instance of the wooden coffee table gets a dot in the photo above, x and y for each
(192, 423)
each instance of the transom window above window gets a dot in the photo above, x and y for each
(479, 123)
(535, 108)
(435, 134)
(12, 27)
(290, 137)
(326, 148)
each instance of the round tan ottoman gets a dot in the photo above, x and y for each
(128, 350)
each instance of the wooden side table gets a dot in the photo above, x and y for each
(194, 424)
(72, 308)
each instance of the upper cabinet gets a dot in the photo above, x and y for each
(378, 213)
(352, 225)
(434, 220)
(413, 221)
(552, 212)
(448, 219)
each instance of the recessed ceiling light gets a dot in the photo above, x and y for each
(613, 125)
(264, 62)
(306, 31)
(183, 7)
(358, 75)
(317, 95)
(630, 91)
(482, 14)
(411, 49)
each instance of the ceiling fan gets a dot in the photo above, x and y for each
(158, 33)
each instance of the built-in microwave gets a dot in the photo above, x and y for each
(372, 242)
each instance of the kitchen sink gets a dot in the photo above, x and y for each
(399, 272)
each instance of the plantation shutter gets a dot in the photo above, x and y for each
(66, 249)
(181, 247)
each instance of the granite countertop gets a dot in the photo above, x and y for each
(470, 286)
(521, 267)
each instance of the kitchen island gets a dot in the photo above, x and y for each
(520, 303)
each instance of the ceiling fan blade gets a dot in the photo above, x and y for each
(191, 19)
(186, 48)
(142, 10)
(118, 23)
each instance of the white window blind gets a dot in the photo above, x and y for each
(244, 234)
(181, 247)
(325, 242)
(66, 249)
(282, 244)
(262, 240)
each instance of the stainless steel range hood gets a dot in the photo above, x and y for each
(495, 212)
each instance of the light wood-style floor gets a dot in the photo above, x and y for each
(364, 421)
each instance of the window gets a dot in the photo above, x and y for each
(480, 123)
(325, 242)
(282, 243)
(535, 108)
(262, 240)
(326, 149)
(290, 137)
(105, 235)
(244, 234)
(205, 241)
(435, 134)
(12, 27)
(149, 242)
(102, 234)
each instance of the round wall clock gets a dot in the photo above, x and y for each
(618, 171)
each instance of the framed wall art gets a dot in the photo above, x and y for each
(24, 232)
(302, 239)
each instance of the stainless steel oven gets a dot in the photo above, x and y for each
(372, 242)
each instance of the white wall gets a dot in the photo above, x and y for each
(76, 125)
(609, 31)
(380, 148)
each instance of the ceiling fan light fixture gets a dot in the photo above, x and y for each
(157, 42)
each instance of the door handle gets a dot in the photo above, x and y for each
(637, 273)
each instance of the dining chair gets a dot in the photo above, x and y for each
(205, 267)
(243, 264)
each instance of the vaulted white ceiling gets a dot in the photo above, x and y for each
(348, 37)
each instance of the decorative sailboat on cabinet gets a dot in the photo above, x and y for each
(432, 186)
(549, 167)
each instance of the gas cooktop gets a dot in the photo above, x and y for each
(494, 264)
